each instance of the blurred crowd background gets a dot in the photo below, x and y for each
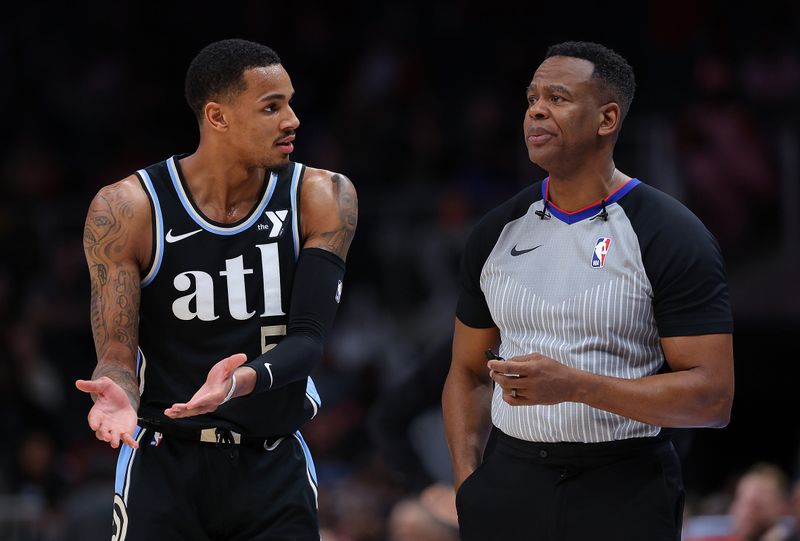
(420, 104)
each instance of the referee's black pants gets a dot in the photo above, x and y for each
(629, 490)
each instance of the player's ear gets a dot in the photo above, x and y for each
(214, 116)
(610, 118)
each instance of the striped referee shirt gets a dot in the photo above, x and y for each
(594, 289)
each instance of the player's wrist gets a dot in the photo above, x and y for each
(231, 390)
(245, 381)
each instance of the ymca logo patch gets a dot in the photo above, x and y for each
(600, 252)
(276, 220)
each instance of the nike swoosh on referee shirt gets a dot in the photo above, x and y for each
(515, 252)
(175, 238)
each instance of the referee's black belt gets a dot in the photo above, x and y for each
(212, 435)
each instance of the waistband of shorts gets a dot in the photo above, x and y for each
(578, 450)
(215, 435)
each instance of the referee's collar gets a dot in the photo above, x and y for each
(590, 210)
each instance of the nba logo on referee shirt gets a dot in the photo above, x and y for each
(600, 251)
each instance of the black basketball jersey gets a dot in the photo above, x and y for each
(213, 290)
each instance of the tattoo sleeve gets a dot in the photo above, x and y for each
(338, 240)
(114, 288)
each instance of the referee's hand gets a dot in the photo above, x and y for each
(532, 380)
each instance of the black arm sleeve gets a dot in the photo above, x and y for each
(316, 293)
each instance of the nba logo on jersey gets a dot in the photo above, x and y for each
(600, 251)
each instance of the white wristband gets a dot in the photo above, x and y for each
(233, 388)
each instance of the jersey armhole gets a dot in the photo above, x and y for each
(157, 231)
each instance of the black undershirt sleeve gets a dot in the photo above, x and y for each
(316, 293)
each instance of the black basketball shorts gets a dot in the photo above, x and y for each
(174, 489)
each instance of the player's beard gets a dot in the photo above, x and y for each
(277, 166)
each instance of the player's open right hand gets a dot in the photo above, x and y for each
(112, 417)
(212, 393)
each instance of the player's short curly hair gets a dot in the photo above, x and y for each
(611, 70)
(218, 70)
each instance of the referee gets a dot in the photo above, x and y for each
(602, 306)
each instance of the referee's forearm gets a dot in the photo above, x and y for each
(683, 399)
(466, 406)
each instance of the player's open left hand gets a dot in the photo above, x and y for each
(533, 379)
(213, 392)
(112, 417)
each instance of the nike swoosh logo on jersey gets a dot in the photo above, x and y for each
(175, 238)
(515, 252)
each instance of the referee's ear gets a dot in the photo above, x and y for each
(610, 119)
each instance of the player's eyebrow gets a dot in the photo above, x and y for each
(275, 96)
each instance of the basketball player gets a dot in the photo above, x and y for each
(215, 278)
(608, 300)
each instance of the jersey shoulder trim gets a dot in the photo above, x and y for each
(297, 180)
(158, 227)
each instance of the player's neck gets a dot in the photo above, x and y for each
(574, 190)
(224, 190)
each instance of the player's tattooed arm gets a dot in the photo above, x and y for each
(339, 237)
(114, 245)
(329, 205)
